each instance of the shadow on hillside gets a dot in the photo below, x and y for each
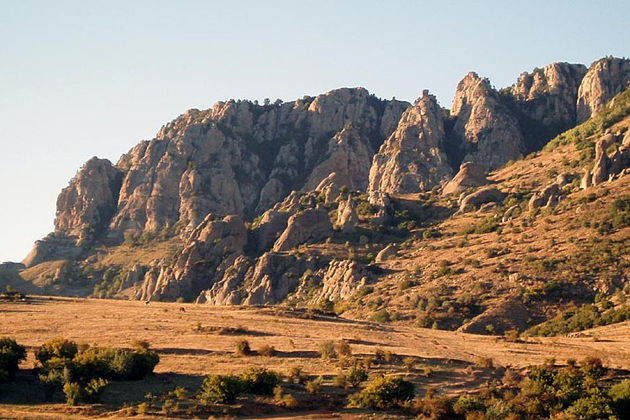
(27, 390)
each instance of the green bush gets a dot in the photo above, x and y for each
(110, 363)
(260, 381)
(384, 392)
(620, 396)
(381, 316)
(467, 403)
(72, 390)
(356, 375)
(57, 347)
(220, 389)
(11, 353)
(90, 393)
(242, 348)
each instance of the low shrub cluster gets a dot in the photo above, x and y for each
(83, 375)
(224, 389)
(578, 319)
(11, 353)
(384, 392)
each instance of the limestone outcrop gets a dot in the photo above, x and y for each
(310, 224)
(488, 133)
(210, 249)
(605, 79)
(474, 200)
(605, 166)
(469, 175)
(549, 95)
(347, 218)
(342, 280)
(413, 158)
(86, 206)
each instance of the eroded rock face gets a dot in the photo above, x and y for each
(342, 280)
(273, 278)
(549, 95)
(241, 158)
(86, 206)
(305, 225)
(605, 79)
(347, 218)
(488, 133)
(412, 159)
(210, 249)
(468, 176)
(53, 247)
(607, 167)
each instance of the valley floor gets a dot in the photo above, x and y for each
(196, 340)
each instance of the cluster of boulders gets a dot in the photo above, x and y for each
(608, 166)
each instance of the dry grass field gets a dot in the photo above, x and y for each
(194, 340)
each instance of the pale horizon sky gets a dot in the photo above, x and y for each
(92, 78)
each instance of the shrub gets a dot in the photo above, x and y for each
(296, 375)
(72, 390)
(57, 347)
(242, 348)
(11, 353)
(327, 350)
(341, 380)
(260, 381)
(381, 316)
(384, 392)
(267, 350)
(343, 348)
(93, 390)
(109, 363)
(220, 389)
(356, 375)
(467, 403)
(620, 396)
(314, 386)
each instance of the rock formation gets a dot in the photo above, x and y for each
(488, 133)
(342, 280)
(474, 200)
(605, 78)
(347, 218)
(210, 249)
(412, 159)
(86, 206)
(311, 224)
(549, 95)
(469, 176)
(604, 166)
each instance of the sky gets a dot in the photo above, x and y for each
(92, 78)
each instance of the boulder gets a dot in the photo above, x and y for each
(310, 224)
(476, 199)
(469, 175)
(386, 253)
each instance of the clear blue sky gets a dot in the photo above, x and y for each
(85, 78)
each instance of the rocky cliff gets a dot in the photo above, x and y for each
(244, 188)
(413, 158)
(604, 79)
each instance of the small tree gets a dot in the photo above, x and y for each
(11, 353)
(220, 389)
(384, 392)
